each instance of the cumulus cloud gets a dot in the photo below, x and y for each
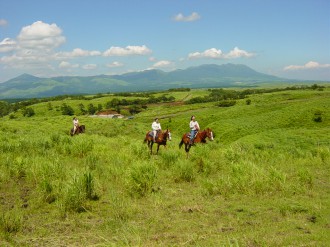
(218, 54)
(77, 52)
(236, 53)
(67, 65)
(128, 50)
(7, 45)
(3, 22)
(152, 59)
(115, 65)
(210, 53)
(89, 66)
(162, 64)
(307, 66)
(193, 17)
(40, 35)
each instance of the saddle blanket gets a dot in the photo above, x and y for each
(151, 133)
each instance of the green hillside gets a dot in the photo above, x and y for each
(263, 181)
(204, 76)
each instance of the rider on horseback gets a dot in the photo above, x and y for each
(155, 128)
(194, 128)
(75, 125)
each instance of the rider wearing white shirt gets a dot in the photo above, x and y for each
(75, 124)
(155, 128)
(194, 128)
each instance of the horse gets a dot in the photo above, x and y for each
(80, 129)
(161, 139)
(200, 137)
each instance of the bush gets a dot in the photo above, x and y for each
(67, 110)
(142, 179)
(227, 103)
(28, 112)
(11, 221)
(317, 116)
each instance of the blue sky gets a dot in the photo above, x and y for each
(285, 38)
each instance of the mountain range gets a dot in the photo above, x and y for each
(203, 76)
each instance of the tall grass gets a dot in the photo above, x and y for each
(263, 181)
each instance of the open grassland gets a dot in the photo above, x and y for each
(263, 181)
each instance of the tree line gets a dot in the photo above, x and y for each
(133, 106)
(231, 95)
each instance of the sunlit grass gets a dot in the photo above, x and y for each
(263, 181)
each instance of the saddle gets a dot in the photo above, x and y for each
(188, 134)
(151, 133)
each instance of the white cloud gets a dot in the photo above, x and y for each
(128, 50)
(7, 45)
(162, 64)
(77, 52)
(307, 66)
(218, 54)
(236, 53)
(210, 53)
(67, 65)
(193, 17)
(40, 35)
(115, 64)
(152, 59)
(89, 66)
(3, 22)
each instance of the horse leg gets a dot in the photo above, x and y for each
(152, 143)
(181, 143)
(187, 147)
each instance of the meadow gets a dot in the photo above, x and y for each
(263, 181)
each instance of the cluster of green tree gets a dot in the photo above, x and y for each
(182, 89)
(136, 105)
(5, 108)
(144, 95)
(150, 100)
(133, 106)
(223, 95)
(68, 110)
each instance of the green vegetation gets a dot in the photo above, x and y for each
(263, 181)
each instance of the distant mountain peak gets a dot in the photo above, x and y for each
(206, 76)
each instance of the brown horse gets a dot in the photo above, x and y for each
(199, 138)
(161, 139)
(80, 129)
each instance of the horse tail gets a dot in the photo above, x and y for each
(145, 140)
(181, 143)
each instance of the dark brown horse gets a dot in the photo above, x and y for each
(161, 139)
(80, 129)
(199, 138)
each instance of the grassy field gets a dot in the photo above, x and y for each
(263, 181)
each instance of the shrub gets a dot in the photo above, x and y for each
(67, 110)
(76, 193)
(11, 221)
(227, 103)
(185, 172)
(142, 179)
(317, 116)
(28, 112)
(88, 184)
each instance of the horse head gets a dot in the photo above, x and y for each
(209, 134)
(167, 134)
